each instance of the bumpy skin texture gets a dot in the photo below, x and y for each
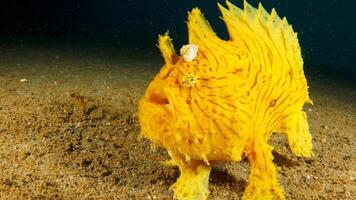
(229, 100)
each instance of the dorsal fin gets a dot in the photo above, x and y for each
(198, 27)
(201, 34)
(256, 29)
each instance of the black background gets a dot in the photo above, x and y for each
(326, 28)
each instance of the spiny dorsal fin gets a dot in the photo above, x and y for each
(254, 29)
(198, 27)
(201, 34)
(251, 16)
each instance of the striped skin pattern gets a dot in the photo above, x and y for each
(229, 100)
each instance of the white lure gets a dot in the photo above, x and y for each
(189, 52)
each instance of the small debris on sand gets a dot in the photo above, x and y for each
(23, 80)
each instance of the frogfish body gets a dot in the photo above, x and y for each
(221, 99)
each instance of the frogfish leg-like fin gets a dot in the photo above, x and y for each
(299, 138)
(193, 182)
(263, 183)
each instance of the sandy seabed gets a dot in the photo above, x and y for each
(69, 130)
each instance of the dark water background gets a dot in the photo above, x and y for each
(326, 28)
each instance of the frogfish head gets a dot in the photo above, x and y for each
(190, 108)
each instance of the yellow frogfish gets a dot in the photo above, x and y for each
(221, 100)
